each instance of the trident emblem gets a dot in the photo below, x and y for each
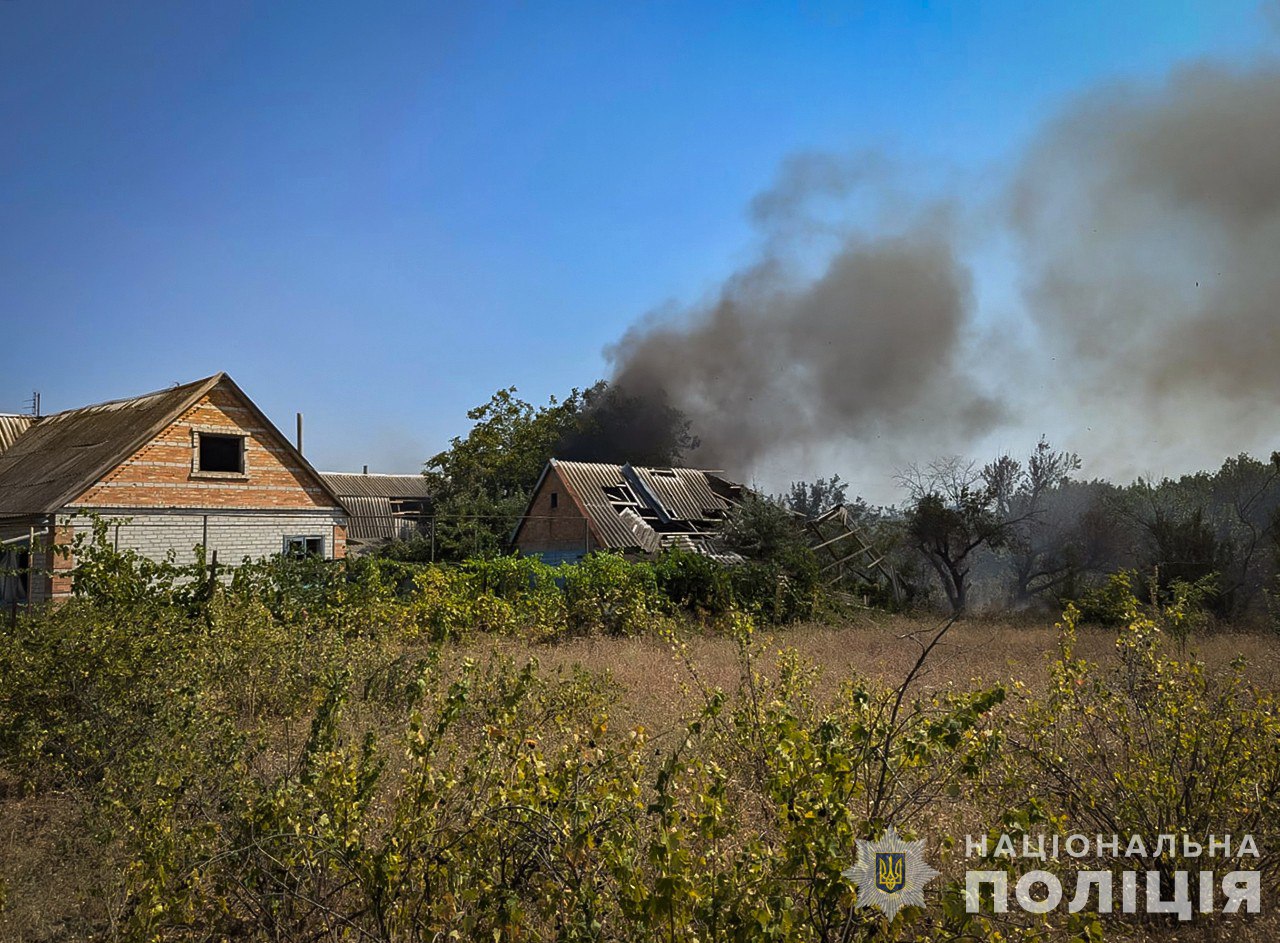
(891, 871)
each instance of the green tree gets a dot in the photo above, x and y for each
(1054, 531)
(483, 481)
(811, 498)
(1214, 525)
(782, 576)
(953, 511)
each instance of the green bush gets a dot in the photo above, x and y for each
(694, 582)
(471, 801)
(1106, 605)
(1154, 743)
(607, 594)
(303, 755)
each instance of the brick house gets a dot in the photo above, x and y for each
(196, 464)
(578, 507)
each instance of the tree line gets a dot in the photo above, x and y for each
(1009, 533)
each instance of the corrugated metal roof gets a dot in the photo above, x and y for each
(372, 519)
(587, 481)
(349, 484)
(10, 428)
(368, 502)
(63, 454)
(679, 498)
(368, 518)
(684, 493)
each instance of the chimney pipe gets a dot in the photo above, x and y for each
(299, 433)
(366, 469)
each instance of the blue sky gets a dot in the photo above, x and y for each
(380, 213)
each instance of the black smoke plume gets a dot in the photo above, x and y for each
(868, 346)
(1145, 231)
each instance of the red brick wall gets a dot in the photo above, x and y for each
(559, 529)
(160, 473)
(58, 583)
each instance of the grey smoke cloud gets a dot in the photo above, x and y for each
(1146, 222)
(1150, 224)
(869, 345)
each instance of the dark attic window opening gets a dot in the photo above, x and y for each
(555, 499)
(221, 453)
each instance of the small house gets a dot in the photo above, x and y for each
(198, 464)
(578, 507)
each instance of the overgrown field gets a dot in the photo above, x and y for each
(610, 752)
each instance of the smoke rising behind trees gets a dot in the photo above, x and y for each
(1141, 232)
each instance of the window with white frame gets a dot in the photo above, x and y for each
(304, 546)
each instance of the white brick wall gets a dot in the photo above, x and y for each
(234, 536)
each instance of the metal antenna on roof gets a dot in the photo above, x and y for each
(34, 403)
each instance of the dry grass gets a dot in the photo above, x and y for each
(52, 871)
(657, 688)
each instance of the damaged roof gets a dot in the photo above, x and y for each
(12, 426)
(373, 503)
(632, 507)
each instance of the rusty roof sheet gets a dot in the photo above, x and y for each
(11, 427)
(347, 484)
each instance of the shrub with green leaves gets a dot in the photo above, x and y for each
(694, 582)
(307, 755)
(307, 761)
(1153, 743)
(495, 802)
(610, 595)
